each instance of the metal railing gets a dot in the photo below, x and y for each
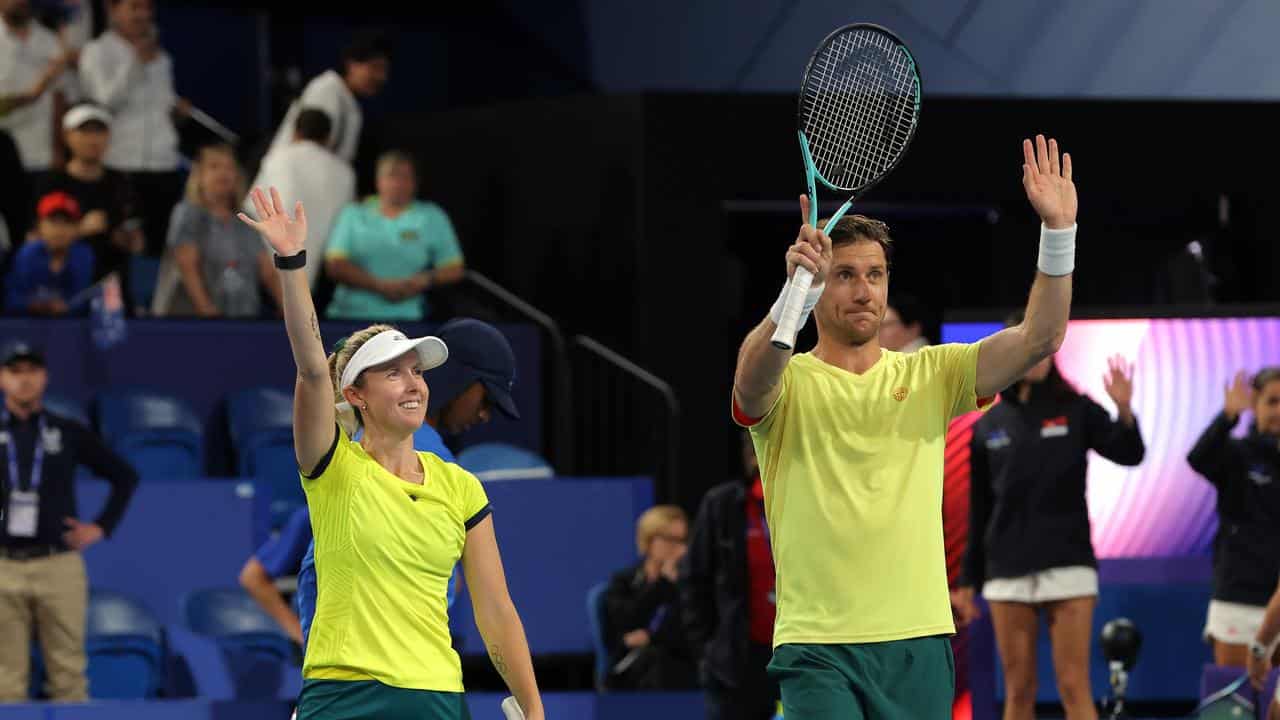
(627, 419)
(558, 400)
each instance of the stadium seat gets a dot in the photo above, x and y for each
(125, 646)
(596, 621)
(500, 461)
(158, 434)
(260, 423)
(143, 271)
(257, 649)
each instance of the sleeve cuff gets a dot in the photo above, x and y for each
(484, 512)
(328, 457)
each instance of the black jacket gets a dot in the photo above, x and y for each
(633, 603)
(1246, 473)
(1027, 506)
(713, 585)
(67, 445)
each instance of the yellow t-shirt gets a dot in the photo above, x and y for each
(852, 471)
(385, 549)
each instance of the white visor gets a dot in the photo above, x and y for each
(385, 347)
(82, 114)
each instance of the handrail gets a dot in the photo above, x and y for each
(561, 396)
(663, 389)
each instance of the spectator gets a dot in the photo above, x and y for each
(34, 82)
(308, 171)
(215, 262)
(105, 195)
(43, 587)
(126, 71)
(365, 64)
(727, 592)
(386, 252)
(649, 649)
(1030, 549)
(902, 328)
(50, 273)
(15, 203)
(1246, 474)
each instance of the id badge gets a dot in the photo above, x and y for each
(24, 508)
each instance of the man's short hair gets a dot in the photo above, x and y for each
(856, 228)
(367, 45)
(313, 124)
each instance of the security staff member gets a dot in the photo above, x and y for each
(42, 576)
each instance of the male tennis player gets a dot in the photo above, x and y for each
(850, 441)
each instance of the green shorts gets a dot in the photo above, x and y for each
(869, 681)
(371, 700)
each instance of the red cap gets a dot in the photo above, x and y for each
(58, 202)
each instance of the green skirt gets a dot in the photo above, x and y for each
(371, 700)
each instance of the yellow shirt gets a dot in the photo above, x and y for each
(385, 549)
(852, 471)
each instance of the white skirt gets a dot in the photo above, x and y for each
(1049, 585)
(1233, 623)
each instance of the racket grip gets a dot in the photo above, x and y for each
(784, 338)
(511, 709)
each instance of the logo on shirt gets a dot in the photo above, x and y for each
(900, 394)
(1054, 427)
(998, 439)
(52, 440)
(408, 236)
(1259, 475)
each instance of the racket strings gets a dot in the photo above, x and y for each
(860, 103)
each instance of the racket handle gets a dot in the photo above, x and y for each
(511, 709)
(784, 338)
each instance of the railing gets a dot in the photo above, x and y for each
(627, 419)
(558, 401)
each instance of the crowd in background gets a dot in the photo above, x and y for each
(101, 192)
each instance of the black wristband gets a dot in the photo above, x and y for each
(292, 262)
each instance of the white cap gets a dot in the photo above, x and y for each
(384, 347)
(81, 114)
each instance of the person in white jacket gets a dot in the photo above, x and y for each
(127, 71)
(33, 72)
(307, 171)
(366, 61)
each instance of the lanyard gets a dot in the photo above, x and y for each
(37, 460)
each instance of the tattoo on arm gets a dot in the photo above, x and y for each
(499, 664)
(315, 329)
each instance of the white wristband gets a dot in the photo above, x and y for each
(810, 301)
(1057, 251)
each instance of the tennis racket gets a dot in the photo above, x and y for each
(859, 107)
(511, 709)
(1233, 702)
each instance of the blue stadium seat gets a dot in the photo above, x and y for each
(143, 271)
(125, 645)
(158, 434)
(260, 422)
(596, 620)
(500, 461)
(257, 649)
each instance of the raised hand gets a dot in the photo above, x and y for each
(1118, 381)
(286, 235)
(812, 249)
(1239, 396)
(1048, 183)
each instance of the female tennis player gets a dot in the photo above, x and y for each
(389, 522)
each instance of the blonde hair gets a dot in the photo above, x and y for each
(195, 187)
(653, 520)
(338, 359)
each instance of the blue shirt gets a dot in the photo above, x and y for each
(30, 279)
(425, 439)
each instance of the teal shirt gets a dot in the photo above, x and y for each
(420, 238)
